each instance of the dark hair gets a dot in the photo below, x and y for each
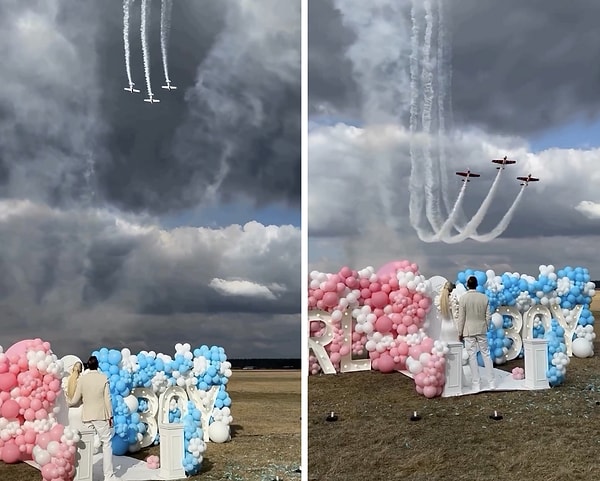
(92, 363)
(472, 282)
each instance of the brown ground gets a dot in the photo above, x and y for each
(544, 435)
(265, 433)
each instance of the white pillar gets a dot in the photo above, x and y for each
(171, 450)
(536, 363)
(454, 370)
(84, 456)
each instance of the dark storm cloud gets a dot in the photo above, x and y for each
(85, 279)
(70, 134)
(518, 67)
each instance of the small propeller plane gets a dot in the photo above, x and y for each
(503, 162)
(131, 89)
(468, 174)
(526, 180)
(169, 86)
(151, 99)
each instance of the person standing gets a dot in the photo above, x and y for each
(473, 321)
(447, 306)
(93, 390)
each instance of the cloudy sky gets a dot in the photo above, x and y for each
(126, 224)
(504, 78)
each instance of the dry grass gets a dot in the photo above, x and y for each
(265, 433)
(545, 435)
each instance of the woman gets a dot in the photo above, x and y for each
(72, 382)
(447, 305)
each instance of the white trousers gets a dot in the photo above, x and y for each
(474, 344)
(104, 432)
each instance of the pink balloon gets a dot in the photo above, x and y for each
(345, 272)
(344, 350)
(385, 363)
(7, 381)
(388, 269)
(430, 391)
(43, 439)
(351, 282)
(10, 409)
(364, 283)
(330, 299)
(380, 299)
(383, 324)
(318, 294)
(375, 287)
(365, 293)
(19, 348)
(10, 453)
(427, 344)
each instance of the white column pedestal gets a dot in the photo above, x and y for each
(84, 456)
(171, 450)
(454, 370)
(536, 363)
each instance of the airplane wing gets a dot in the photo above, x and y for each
(464, 174)
(522, 178)
(474, 175)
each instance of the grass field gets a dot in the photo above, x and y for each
(544, 435)
(265, 433)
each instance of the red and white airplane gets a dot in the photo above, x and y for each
(526, 180)
(503, 162)
(468, 174)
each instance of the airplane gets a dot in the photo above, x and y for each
(151, 99)
(131, 89)
(169, 86)
(468, 174)
(503, 162)
(528, 179)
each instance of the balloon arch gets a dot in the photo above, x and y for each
(36, 424)
(382, 319)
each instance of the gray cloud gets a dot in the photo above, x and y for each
(516, 68)
(71, 134)
(361, 214)
(83, 278)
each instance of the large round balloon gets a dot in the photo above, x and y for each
(218, 432)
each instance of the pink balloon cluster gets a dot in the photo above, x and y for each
(29, 386)
(153, 462)
(518, 373)
(389, 306)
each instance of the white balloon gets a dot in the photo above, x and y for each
(218, 432)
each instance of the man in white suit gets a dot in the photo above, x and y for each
(93, 389)
(473, 321)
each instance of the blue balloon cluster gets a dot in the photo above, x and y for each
(497, 341)
(193, 437)
(555, 337)
(157, 372)
(568, 287)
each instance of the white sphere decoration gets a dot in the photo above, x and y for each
(218, 432)
(132, 403)
(497, 320)
(582, 347)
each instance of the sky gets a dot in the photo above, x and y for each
(138, 225)
(502, 78)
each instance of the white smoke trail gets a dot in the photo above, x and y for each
(432, 210)
(126, 6)
(449, 223)
(145, 50)
(471, 227)
(166, 7)
(504, 222)
(416, 201)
